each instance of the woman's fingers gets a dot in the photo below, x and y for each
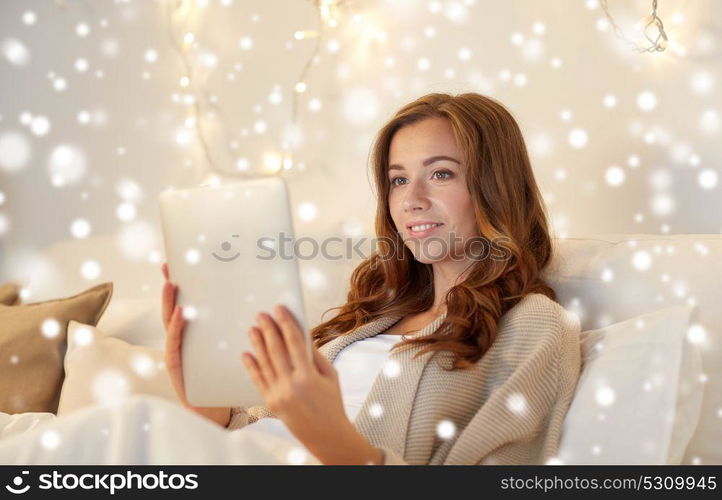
(173, 338)
(275, 345)
(254, 370)
(173, 359)
(261, 353)
(294, 338)
(169, 299)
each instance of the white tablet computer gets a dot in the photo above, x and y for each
(225, 250)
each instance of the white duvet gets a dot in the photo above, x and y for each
(141, 430)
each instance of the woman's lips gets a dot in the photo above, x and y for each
(425, 232)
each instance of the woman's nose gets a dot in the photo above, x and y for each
(415, 196)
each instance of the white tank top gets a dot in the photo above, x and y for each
(357, 365)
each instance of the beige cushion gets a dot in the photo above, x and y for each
(102, 370)
(9, 294)
(33, 344)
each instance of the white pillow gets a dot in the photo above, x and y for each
(639, 395)
(106, 371)
(136, 321)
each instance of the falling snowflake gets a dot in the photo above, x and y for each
(307, 211)
(50, 439)
(90, 269)
(66, 165)
(296, 456)
(82, 336)
(392, 368)
(578, 138)
(446, 429)
(605, 396)
(50, 328)
(82, 30)
(143, 365)
(16, 52)
(642, 260)
(80, 228)
(15, 151)
(646, 100)
(614, 176)
(516, 403)
(607, 275)
(125, 211)
(376, 410)
(190, 312)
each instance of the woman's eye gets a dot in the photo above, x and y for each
(393, 181)
(444, 172)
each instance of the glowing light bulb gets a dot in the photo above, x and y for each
(272, 162)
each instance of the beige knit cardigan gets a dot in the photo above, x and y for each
(507, 409)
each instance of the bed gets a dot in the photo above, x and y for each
(650, 390)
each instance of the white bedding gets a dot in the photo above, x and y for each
(146, 429)
(21, 422)
(142, 430)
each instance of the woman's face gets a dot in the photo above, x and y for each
(428, 186)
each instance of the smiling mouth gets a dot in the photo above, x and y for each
(423, 232)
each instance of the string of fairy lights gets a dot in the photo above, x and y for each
(658, 44)
(178, 15)
(328, 12)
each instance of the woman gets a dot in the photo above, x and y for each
(483, 362)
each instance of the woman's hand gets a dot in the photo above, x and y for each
(174, 324)
(303, 390)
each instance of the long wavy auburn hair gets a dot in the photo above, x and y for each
(507, 206)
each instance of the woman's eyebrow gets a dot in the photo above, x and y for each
(426, 162)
